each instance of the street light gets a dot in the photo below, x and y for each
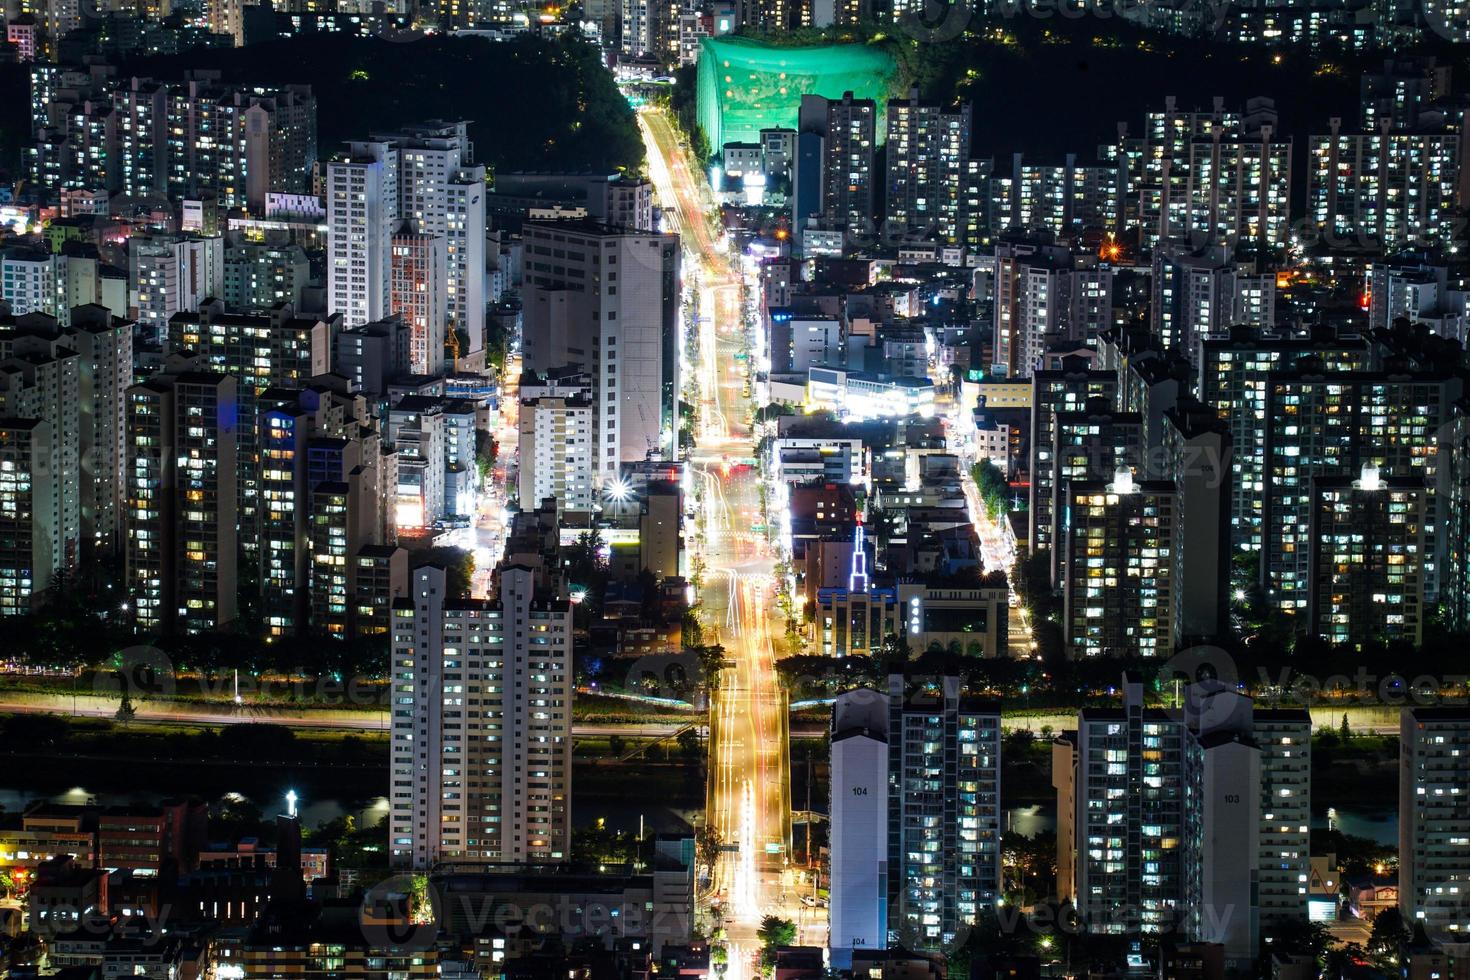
(619, 490)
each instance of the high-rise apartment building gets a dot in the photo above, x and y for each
(258, 275)
(1434, 826)
(1217, 174)
(1069, 388)
(607, 300)
(1233, 373)
(1119, 539)
(1321, 425)
(556, 441)
(182, 501)
(442, 194)
(1196, 456)
(1454, 451)
(418, 295)
(362, 214)
(171, 274)
(29, 488)
(1045, 295)
(1203, 292)
(1183, 821)
(848, 163)
(1384, 189)
(41, 378)
(153, 140)
(1062, 199)
(928, 151)
(1369, 538)
(103, 346)
(915, 815)
(322, 490)
(1284, 736)
(261, 351)
(859, 803)
(1092, 444)
(482, 736)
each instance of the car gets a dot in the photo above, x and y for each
(809, 901)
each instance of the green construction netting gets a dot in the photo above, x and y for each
(746, 86)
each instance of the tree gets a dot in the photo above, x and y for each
(711, 662)
(485, 454)
(895, 652)
(688, 741)
(458, 565)
(992, 486)
(707, 846)
(1344, 729)
(1389, 933)
(775, 931)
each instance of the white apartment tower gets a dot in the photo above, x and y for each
(859, 809)
(555, 451)
(362, 212)
(481, 756)
(607, 301)
(172, 274)
(441, 193)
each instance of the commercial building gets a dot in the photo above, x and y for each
(481, 752)
(417, 434)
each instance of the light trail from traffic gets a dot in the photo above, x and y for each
(749, 794)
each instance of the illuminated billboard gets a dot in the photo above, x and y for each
(746, 85)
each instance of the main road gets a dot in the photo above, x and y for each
(749, 793)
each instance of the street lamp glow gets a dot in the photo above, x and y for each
(291, 799)
(619, 490)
